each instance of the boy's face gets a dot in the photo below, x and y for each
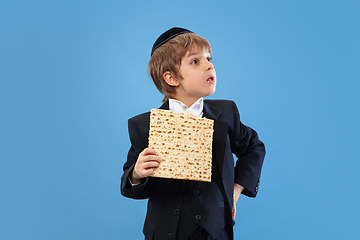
(199, 76)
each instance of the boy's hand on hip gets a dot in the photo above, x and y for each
(237, 192)
(145, 164)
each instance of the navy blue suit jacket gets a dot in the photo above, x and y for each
(230, 137)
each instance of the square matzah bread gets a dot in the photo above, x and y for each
(184, 143)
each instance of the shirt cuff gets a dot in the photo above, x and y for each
(133, 185)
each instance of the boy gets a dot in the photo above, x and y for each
(181, 68)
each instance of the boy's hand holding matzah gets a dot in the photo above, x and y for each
(184, 143)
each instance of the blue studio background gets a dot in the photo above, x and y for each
(73, 72)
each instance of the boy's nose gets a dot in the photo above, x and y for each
(209, 66)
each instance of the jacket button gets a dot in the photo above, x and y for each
(171, 235)
(176, 211)
(198, 217)
(196, 192)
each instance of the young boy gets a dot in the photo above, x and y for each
(181, 68)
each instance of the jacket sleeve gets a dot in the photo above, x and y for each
(138, 143)
(250, 153)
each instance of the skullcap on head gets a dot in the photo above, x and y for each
(166, 36)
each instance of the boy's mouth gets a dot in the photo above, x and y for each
(211, 79)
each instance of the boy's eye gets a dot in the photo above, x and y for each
(195, 61)
(209, 59)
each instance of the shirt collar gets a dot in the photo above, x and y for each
(178, 107)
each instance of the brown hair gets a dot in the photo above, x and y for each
(168, 58)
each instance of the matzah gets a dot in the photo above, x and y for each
(184, 143)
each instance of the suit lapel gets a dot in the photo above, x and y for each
(219, 135)
(165, 106)
(211, 112)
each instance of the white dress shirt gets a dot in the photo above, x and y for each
(178, 107)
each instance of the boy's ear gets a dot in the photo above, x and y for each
(170, 79)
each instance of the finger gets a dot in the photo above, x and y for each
(150, 164)
(149, 154)
(142, 166)
(150, 158)
(147, 172)
(148, 151)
